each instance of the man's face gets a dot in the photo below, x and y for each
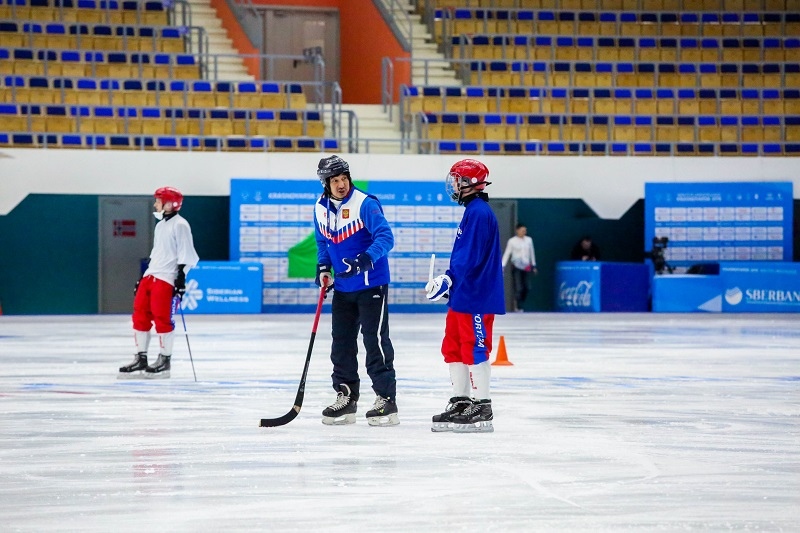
(522, 231)
(340, 186)
(586, 243)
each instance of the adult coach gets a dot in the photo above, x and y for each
(353, 239)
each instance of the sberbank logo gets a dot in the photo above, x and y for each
(193, 295)
(734, 296)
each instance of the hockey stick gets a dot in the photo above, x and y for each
(430, 269)
(301, 390)
(179, 301)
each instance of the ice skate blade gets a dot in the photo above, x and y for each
(157, 375)
(139, 374)
(339, 420)
(389, 420)
(478, 427)
(441, 427)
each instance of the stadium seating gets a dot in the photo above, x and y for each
(115, 74)
(613, 77)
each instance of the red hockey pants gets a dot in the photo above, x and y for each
(467, 338)
(153, 305)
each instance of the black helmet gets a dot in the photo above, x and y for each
(329, 167)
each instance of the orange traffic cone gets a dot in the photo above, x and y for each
(502, 356)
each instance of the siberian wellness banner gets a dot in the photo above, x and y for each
(712, 222)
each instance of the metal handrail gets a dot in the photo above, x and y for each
(403, 28)
(185, 13)
(387, 86)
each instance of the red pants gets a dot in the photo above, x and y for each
(153, 305)
(467, 338)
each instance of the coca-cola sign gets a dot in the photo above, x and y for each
(579, 295)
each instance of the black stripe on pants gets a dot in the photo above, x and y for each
(369, 310)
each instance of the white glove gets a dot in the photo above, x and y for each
(438, 287)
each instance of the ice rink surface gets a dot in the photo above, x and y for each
(605, 422)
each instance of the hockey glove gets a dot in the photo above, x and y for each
(438, 287)
(180, 283)
(324, 276)
(362, 263)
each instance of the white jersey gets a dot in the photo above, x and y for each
(520, 251)
(172, 246)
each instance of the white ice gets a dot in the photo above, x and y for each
(605, 422)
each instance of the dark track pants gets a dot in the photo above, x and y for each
(367, 309)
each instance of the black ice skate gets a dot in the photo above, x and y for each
(383, 412)
(444, 421)
(343, 410)
(476, 418)
(135, 369)
(160, 369)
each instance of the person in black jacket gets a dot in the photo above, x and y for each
(585, 250)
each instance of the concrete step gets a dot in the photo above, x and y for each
(228, 65)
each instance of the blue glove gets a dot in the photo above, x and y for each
(438, 287)
(362, 263)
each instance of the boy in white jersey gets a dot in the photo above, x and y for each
(165, 278)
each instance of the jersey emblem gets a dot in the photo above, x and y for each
(345, 213)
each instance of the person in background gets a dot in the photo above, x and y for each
(585, 250)
(519, 249)
(165, 278)
(473, 284)
(353, 241)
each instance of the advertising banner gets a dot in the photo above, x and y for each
(712, 222)
(272, 223)
(222, 287)
(589, 286)
(578, 286)
(760, 288)
(740, 287)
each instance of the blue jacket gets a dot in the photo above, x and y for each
(357, 226)
(476, 268)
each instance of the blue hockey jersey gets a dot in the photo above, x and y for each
(476, 268)
(357, 225)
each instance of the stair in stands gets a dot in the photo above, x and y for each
(377, 135)
(423, 47)
(229, 68)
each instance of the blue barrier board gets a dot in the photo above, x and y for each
(223, 287)
(740, 287)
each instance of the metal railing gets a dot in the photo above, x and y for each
(395, 13)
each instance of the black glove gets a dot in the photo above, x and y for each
(361, 263)
(180, 283)
(324, 271)
(136, 287)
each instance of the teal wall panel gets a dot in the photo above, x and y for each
(49, 250)
(48, 256)
(556, 225)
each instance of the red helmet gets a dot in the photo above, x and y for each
(170, 194)
(464, 175)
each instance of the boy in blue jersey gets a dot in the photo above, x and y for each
(353, 240)
(474, 287)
